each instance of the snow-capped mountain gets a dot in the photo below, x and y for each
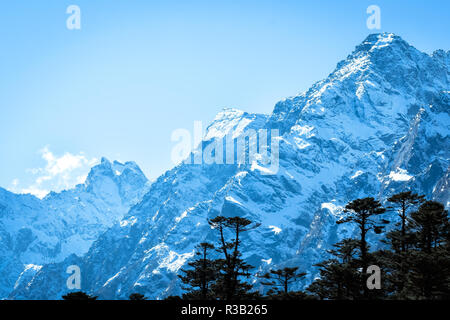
(34, 232)
(378, 124)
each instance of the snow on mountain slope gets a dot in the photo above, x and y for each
(34, 232)
(378, 124)
(233, 121)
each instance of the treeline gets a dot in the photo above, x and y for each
(414, 263)
(80, 295)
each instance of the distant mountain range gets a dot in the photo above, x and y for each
(378, 124)
(35, 232)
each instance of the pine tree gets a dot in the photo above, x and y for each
(232, 267)
(201, 275)
(429, 260)
(394, 262)
(137, 296)
(430, 226)
(361, 212)
(339, 276)
(402, 202)
(281, 278)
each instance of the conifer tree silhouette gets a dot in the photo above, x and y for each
(429, 260)
(137, 296)
(402, 202)
(79, 295)
(361, 212)
(339, 276)
(201, 275)
(232, 267)
(281, 279)
(395, 261)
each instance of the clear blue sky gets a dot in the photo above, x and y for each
(137, 70)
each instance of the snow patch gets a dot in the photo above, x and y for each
(231, 199)
(330, 206)
(400, 175)
(130, 221)
(275, 229)
(256, 166)
(357, 174)
(181, 217)
(174, 261)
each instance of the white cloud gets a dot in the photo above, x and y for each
(59, 173)
(15, 182)
(36, 191)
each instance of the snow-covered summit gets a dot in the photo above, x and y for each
(378, 124)
(35, 231)
(377, 41)
(383, 77)
(233, 122)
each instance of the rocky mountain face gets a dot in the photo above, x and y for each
(378, 124)
(35, 232)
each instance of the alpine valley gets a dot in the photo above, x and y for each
(377, 125)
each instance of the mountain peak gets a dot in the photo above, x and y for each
(363, 84)
(229, 113)
(357, 133)
(231, 120)
(386, 37)
(113, 170)
(105, 160)
(379, 40)
(106, 167)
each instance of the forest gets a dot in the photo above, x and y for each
(412, 261)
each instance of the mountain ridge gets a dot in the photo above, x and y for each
(378, 124)
(37, 231)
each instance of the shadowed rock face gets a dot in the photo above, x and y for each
(377, 125)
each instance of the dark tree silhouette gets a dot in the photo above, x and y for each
(79, 295)
(230, 269)
(137, 296)
(430, 224)
(415, 264)
(282, 278)
(339, 276)
(394, 262)
(361, 213)
(429, 276)
(402, 202)
(201, 275)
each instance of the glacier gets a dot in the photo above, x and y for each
(377, 125)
